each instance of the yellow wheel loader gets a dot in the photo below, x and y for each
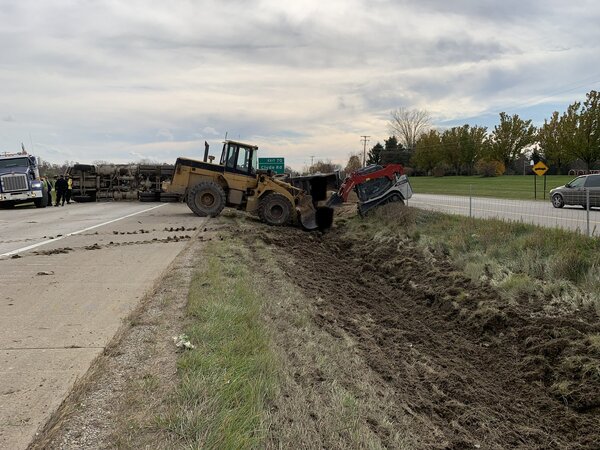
(236, 182)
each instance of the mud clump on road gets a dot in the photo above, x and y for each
(480, 370)
(55, 251)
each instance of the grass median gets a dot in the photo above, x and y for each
(226, 381)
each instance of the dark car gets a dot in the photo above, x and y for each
(574, 192)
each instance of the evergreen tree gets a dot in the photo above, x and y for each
(394, 152)
(374, 155)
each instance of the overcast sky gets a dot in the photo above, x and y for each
(87, 80)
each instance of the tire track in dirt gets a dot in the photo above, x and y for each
(476, 366)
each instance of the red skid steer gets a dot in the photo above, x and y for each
(374, 185)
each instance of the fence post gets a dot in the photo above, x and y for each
(470, 200)
(587, 209)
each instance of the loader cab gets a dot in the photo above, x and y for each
(239, 158)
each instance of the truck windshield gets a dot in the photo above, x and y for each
(14, 162)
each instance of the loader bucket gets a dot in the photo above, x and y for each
(307, 214)
(312, 218)
(324, 217)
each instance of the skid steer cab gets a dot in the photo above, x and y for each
(237, 183)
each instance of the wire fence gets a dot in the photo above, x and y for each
(576, 209)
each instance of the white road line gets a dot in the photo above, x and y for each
(48, 241)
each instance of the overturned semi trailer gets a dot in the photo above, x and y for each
(120, 182)
(117, 181)
(152, 180)
(85, 182)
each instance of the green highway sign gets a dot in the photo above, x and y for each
(277, 165)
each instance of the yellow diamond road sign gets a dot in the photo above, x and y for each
(540, 168)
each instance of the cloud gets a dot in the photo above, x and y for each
(103, 79)
(165, 134)
(210, 131)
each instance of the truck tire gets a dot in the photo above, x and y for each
(275, 209)
(169, 197)
(206, 199)
(82, 198)
(148, 196)
(42, 202)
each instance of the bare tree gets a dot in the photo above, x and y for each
(292, 172)
(354, 163)
(408, 125)
(323, 166)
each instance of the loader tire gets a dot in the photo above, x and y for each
(206, 199)
(275, 209)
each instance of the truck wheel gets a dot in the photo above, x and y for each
(275, 209)
(82, 198)
(42, 202)
(148, 196)
(169, 197)
(206, 199)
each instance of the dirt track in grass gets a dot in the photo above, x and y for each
(480, 371)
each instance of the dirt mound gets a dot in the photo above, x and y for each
(486, 372)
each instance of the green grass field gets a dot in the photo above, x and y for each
(507, 186)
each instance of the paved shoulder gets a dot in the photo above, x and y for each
(62, 301)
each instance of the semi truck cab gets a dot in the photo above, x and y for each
(20, 180)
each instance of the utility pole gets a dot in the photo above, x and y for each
(364, 140)
(312, 158)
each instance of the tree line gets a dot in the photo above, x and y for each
(563, 139)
